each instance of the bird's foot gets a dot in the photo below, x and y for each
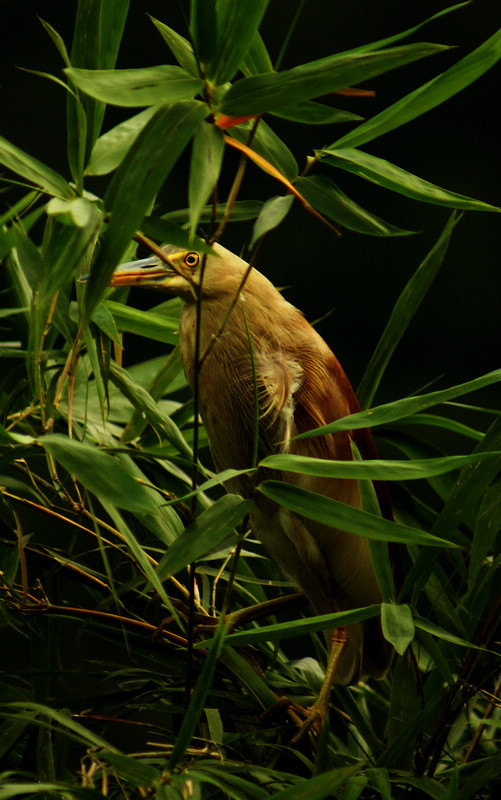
(309, 720)
(314, 718)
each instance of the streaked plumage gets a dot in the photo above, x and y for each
(300, 385)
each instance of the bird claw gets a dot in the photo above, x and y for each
(313, 722)
(309, 720)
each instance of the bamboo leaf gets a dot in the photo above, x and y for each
(179, 46)
(389, 412)
(205, 166)
(97, 35)
(33, 170)
(236, 26)
(99, 472)
(397, 625)
(431, 94)
(375, 469)
(272, 213)
(339, 515)
(331, 201)
(140, 176)
(147, 86)
(144, 402)
(256, 59)
(112, 146)
(204, 534)
(311, 113)
(159, 327)
(382, 172)
(403, 312)
(487, 526)
(301, 627)
(259, 93)
(196, 706)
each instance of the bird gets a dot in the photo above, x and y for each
(255, 350)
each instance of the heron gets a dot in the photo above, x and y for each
(255, 350)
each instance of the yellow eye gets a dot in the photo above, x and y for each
(191, 260)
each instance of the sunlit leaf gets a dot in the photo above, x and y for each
(147, 86)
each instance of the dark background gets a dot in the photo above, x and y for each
(456, 335)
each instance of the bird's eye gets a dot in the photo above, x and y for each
(191, 260)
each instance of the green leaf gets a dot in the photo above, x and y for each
(57, 41)
(229, 784)
(241, 210)
(112, 146)
(431, 94)
(159, 327)
(379, 43)
(487, 526)
(99, 472)
(272, 213)
(131, 769)
(205, 166)
(70, 247)
(236, 26)
(328, 198)
(435, 630)
(267, 144)
(147, 86)
(383, 173)
(179, 46)
(375, 469)
(256, 60)
(98, 32)
(312, 113)
(203, 23)
(144, 402)
(259, 93)
(33, 170)
(204, 534)
(140, 176)
(403, 312)
(165, 231)
(397, 625)
(196, 706)
(300, 627)
(389, 412)
(339, 515)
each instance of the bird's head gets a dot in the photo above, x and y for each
(184, 272)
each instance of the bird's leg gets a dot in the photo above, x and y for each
(316, 713)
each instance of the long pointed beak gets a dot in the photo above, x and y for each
(146, 271)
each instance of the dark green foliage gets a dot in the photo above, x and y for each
(102, 511)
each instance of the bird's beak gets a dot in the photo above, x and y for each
(145, 272)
